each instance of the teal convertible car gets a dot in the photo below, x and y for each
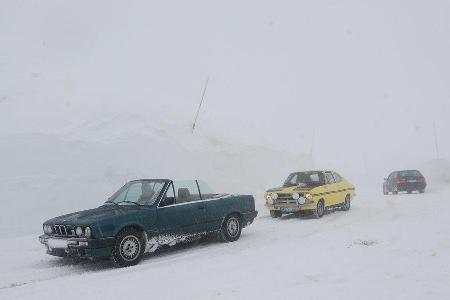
(145, 214)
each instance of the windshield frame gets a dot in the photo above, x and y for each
(286, 183)
(162, 191)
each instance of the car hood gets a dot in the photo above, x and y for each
(291, 189)
(89, 216)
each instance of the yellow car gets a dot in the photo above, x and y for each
(313, 191)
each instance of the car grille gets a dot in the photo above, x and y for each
(63, 230)
(282, 197)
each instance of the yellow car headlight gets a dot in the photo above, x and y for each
(269, 199)
(308, 196)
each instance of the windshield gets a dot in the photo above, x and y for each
(142, 192)
(305, 179)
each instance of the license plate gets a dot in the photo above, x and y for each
(412, 180)
(57, 243)
(288, 209)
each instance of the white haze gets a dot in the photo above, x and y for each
(106, 91)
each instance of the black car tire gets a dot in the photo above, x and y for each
(409, 192)
(231, 228)
(128, 248)
(275, 213)
(320, 209)
(422, 191)
(346, 205)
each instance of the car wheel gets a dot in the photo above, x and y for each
(320, 209)
(346, 205)
(231, 228)
(128, 249)
(409, 192)
(421, 191)
(275, 213)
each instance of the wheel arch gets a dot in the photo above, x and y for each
(234, 212)
(135, 226)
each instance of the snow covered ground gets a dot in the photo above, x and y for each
(385, 247)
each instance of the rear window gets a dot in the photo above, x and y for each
(409, 173)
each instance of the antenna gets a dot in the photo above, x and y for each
(200, 105)
(436, 140)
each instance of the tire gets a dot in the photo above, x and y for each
(421, 191)
(275, 213)
(346, 205)
(409, 192)
(320, 209)
(231, 228)
(129, 248)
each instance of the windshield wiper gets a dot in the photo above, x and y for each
(126, 201)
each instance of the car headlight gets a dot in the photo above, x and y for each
(48, 229)
(295, 196)
(269, 199)
(274, 196)
(87, 232)
(308, 196)
(79, 231)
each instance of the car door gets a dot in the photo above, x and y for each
(391, 180)
(180, 212)
(330, 189)
(341, 188)
(215, 209)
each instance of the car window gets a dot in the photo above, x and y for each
(409, 173)
(141, 192)
(337, 177)
(205, 190)
(293, 180)
(186, 191)
(329, 178)
(169, 197)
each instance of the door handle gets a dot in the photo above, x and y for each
(201, 207)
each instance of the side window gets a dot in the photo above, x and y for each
(205, 190)
(186, 191)
(337, 177)
(169, 198)
(329, 178)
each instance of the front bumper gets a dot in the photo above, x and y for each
(291, 207)
(77, 247)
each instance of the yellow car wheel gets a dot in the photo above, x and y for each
(320, 209)
(346, 205)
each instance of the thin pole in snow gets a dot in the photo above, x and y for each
(200, 105)
(436, 140)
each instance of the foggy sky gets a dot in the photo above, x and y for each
(359, 83)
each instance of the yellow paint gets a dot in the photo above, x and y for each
(332, 194)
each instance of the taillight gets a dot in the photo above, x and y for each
(398, 181)
(422, 180)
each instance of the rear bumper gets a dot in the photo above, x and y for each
(403, 187)
(249, 217)
(79, 247)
